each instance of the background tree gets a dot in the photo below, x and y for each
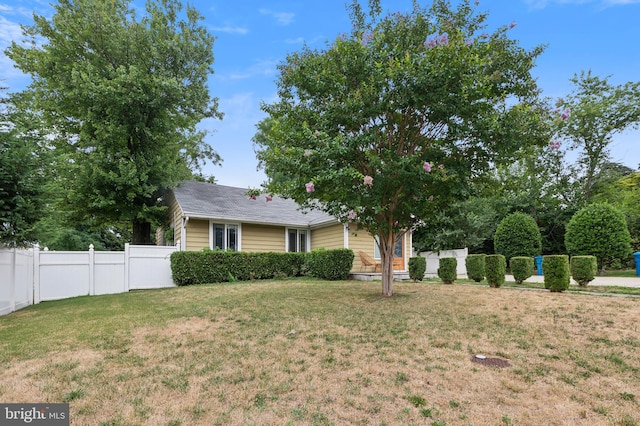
(595, 111)
(598, 230)
(124, 97)
(518, 235)
(388, 124)
(21, 176)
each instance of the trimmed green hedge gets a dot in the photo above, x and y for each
(475, 266)
(496, 269)
(583, 269)
(522, 267)
(556, 272)
(330, 264)
(447, 270)
(417, 268)
(203, 267)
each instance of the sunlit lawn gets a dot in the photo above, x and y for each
(311, 352)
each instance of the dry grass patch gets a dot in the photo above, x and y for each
(310, 352)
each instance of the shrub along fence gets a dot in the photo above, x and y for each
(31, 276)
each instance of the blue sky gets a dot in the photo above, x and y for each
(254, 36)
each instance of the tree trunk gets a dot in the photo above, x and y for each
(387, 244)
(141, 233)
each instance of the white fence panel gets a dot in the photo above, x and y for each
(7, 265)
(149, 267)
(63, 274)
(109, 272)
(23, 293)
(433, 260)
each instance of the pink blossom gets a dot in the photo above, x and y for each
(565, 114)
(468, 41)
(427, 167)
(307, 153)
(556, 144)
(368, 180)
(430, 42)
(444, 39)
(351, 215)
(268, 198)
(310, 187)
(512, 25)
(484, 35)
(430, 198)
(477, 2)
(252, 197)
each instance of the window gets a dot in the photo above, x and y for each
(397, 250)
(297, 240)
(225, 236)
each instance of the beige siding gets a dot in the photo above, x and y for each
(330, 237)
(197, 234)
(361, 241)
(263, 238)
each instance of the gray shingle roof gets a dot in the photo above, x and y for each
(212, 201)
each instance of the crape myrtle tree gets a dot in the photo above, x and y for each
(123, 96)
(388, 124)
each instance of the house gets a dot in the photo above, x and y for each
(205, 215)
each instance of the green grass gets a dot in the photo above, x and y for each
(311, 352)
(627, 273)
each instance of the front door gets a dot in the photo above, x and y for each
(398, 254)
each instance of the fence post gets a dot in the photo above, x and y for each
(12, 281)
(127, 254)
(92, 275)
(36, 274)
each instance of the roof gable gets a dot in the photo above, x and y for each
(227, 203)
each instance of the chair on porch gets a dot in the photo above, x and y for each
(367, 260)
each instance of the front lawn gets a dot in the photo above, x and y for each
(319, 353)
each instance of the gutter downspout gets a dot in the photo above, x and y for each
(183, 233)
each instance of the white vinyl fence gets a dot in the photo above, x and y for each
(32, 276)
(433, 260)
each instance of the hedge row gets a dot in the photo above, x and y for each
(447, 270)
(210, 266)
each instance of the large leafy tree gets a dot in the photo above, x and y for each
(21, 176)
(388, 124)
(595, 111)
(124, 96)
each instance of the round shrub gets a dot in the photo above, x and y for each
(598, 230)
(495, 266)
(583, 269)
(330, 264)
(447, 270)
(521, 268)
(517, 235)
(417, 268)
(475, 267)
(556, 272)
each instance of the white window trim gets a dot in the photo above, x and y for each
(286, 238)
(222, 222)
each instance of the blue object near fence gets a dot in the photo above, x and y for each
(538, 260)
(636, 256)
